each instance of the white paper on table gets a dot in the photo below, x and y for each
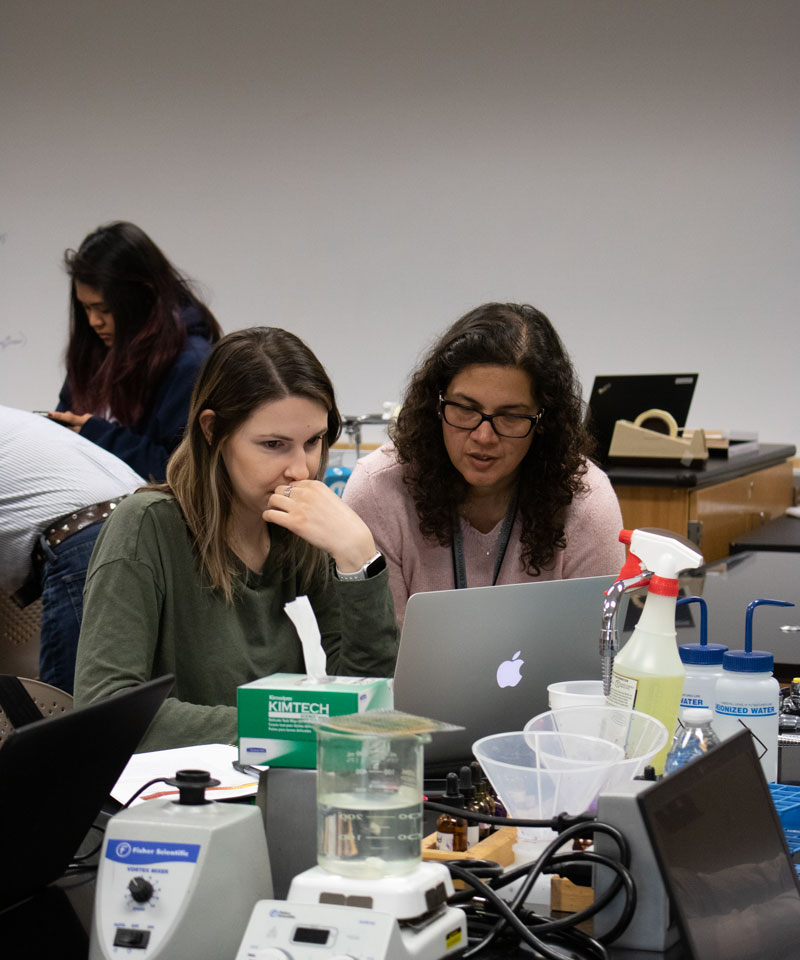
(217, 758)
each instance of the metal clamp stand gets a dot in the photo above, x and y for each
(352, 427)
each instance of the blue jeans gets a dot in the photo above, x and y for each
(63, 578)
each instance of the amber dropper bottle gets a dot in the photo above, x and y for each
(451, 831)
(470, 803)
(484, 800)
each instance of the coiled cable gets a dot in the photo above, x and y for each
(490, 917)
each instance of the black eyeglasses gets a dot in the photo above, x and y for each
(514, 426)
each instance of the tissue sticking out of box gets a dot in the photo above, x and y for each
(302, 616)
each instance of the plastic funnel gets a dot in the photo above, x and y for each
(574, 693)
(539, 775)
(640, 736)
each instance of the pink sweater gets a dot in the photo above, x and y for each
(377, 493)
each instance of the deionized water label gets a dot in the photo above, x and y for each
(746, 710)
(694, 702)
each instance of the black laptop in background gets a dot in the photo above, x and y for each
(55, 776)
(625, 396)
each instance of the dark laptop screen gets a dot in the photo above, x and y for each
(724, 858)
(55, 775)
(625, 396)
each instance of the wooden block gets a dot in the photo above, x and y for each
(566, 897)
(499, 847)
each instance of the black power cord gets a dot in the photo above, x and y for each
(79, 864)
(491, 918)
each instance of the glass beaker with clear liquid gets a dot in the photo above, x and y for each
(369, 795)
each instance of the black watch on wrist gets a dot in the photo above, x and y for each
(371, 568)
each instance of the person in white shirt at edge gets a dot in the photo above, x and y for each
(489, 477)
(57, 489)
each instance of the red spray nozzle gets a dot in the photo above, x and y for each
(633, 565)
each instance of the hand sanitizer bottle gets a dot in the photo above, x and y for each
(703, 663)
(748, 695)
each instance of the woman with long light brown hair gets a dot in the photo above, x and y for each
(191, 577)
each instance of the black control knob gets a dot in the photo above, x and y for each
(141, 889)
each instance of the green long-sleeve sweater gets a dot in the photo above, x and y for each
(148, 611)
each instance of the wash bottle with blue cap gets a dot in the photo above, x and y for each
(648, 674)
(703, 664)
(749, 696)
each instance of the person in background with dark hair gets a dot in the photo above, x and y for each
(191, 578)
(138, 337)
(488, 479)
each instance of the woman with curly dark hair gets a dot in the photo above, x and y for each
(488, 479)
(138, 337)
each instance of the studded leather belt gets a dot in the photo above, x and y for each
(71, 523)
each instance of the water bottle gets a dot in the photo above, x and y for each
(693, 738)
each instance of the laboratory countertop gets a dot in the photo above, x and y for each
(715, 470)
(729, 585)
(57, 921)
(781, 535)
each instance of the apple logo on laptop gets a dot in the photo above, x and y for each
(508, 673)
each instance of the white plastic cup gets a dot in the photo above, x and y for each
(575, 693)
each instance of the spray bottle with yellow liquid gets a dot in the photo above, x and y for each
(648, 673)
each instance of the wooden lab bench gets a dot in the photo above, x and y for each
(713, 505)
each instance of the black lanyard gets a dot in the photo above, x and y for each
(459, 564)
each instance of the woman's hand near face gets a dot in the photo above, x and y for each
(69, 419)
(315, 513)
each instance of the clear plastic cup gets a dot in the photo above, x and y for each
(575, 693)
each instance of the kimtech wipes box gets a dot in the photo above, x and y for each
(276, 714)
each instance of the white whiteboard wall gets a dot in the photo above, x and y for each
(362, 172)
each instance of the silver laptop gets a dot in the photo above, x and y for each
(483, 657)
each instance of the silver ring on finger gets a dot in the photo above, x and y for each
(288, 491)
